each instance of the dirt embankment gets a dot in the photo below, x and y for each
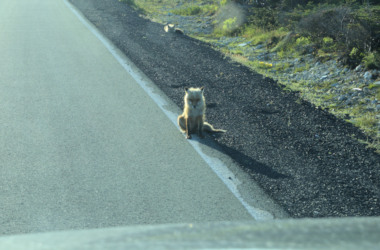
(307, 160)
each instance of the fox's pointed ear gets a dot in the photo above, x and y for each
(202, 88)
(186, 89)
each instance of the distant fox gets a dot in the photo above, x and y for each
(170, 28)
(193, 117)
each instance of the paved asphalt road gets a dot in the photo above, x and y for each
(82, 144)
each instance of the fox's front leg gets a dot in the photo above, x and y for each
(188, 136)
(200, 127)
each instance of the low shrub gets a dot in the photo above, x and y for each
(264, 18)
(372, 60)
(188, 11)
(345, 26)
(328, 45)
(229, 19)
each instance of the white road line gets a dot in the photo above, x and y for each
(220, 169)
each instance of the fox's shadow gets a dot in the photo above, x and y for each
(243, 160)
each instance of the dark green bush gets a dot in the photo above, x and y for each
(189, 11)
(372, 60)
(264, 18)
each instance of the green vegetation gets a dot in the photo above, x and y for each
(260, 36)
(349, 29)
(302, 68)
(188, 11)
(281, 67)
(227, 27)
(372, 60)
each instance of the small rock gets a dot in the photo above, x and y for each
(377, 83)
(356, 93)
(366, 90)
(349, 101)
(244, 44)
(342, 98)
(367, 75)
(297, 60)
(324, 78)
(358, 68)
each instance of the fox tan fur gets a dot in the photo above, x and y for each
(192, 120)
(170, 28)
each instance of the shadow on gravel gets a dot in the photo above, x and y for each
(244, 161)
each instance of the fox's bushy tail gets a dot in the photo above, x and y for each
(209, 128)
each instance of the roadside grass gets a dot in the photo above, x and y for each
(260, 36)
(209, 9)
(192, 9)
(282, 67)
(367, 121)
(302, 68)
(187, 8)
(226, 28)
(152, 6)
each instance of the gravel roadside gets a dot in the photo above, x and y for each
(308, 161)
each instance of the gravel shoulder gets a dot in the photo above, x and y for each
(308, 161)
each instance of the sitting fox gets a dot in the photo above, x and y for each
(193, 117)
